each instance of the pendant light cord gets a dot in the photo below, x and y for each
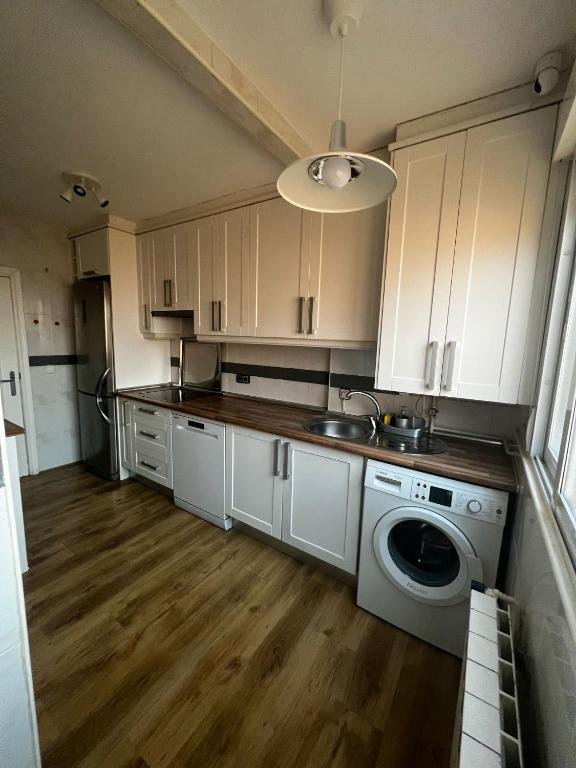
(342, 38)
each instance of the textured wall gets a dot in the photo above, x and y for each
(547, 648)
(42, 254)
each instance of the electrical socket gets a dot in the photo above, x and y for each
(242, 378)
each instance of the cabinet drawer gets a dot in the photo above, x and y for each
(150, 434)
(149, 415)
(151, 449)
(151, 467)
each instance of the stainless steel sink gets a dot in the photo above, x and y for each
(340, 428)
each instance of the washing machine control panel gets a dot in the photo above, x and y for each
(473, 505)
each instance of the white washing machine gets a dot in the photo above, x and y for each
(424, 539)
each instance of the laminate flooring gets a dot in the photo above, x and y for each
(158, 640)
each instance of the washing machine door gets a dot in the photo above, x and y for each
(426, 555)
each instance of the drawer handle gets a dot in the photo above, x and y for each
(148, 466)
(148, 434)
(148, 411)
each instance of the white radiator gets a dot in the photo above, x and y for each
(487, 731)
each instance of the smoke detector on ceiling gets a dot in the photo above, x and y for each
(80, 184)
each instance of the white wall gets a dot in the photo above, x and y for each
(42, 254)
(548, 649)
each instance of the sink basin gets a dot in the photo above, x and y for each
(339, 428)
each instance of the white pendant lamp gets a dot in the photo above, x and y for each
(338, 181)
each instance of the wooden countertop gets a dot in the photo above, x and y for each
(464, 460)
(12, 429)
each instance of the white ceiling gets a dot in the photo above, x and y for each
(80, 92)
(409, 57)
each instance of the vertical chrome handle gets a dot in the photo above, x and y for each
(145, 316)
(448, 365)
(167, 293)
(301, 301)
(287, 467)
(277, 444)
(431, 358)
(219, 315)
(311, 315)
(213, 315)
(124, 419)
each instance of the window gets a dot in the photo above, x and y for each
(555, 416)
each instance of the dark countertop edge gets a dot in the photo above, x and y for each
(13, 430)
(417, 462)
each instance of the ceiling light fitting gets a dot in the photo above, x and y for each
(80, 184)
(338, 181)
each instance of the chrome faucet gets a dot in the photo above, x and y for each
(346, 394)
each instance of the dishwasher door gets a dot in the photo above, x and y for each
(198, 456)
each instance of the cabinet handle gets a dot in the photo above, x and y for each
(311, 315)
(213, 315)
(145, 313)
(124, 419)
(220, 316)
(301, 301)
(148, 434)
(149, 411)
(167, 293)
(448, 365)
(277, 444)
(148, 466)
(287, 467)
(431, 358)
(90, 272)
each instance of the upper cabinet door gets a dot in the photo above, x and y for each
(163, 270)
(91, 252)
(183, 288)
(346, 253)
(278, 278)
(504, 185)
(232, 283)
(419, 259)
(145, 278)
(202, 247)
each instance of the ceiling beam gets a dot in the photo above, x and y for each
(170, 32)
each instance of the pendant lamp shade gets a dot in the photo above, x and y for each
(338, 181)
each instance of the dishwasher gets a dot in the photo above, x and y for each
(198, 448)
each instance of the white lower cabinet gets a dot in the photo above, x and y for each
(125, 420)
(306, 495)
(146, 441)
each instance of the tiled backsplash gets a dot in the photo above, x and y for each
(313, 376)
(42, 254)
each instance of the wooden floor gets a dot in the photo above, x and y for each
(159, 640)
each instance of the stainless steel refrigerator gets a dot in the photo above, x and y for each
(95, 377)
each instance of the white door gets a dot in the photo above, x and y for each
(91, 252)
(419, 258)
(145, 279)
(278, 278)
(254, 479)
(163, 272)
(504, 183)
(346, 255)
(183, 284)
(232, 283)
(321, 503)
(10, 388)
(202, 249)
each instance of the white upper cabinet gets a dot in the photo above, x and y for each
(91, 252)
(232, 283)
(418, 272)
(202, 244)
(506, 170)
(461, 258)
(172, 276)
(278, 276)
(346, 252)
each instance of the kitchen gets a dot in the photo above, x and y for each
(295, 436)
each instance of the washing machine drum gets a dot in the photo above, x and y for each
(426, 555)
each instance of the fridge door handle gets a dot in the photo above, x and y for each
(98, 393)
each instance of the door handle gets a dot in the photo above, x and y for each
(12, 381)
(301, 301)
(448, 365)
(287, 463)
(431, 358)
(148, 434)
(124, 419)
(213, 315)
(311, 315)
(167, 293)
(145, 314)
(220, 316)
(277, 444)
